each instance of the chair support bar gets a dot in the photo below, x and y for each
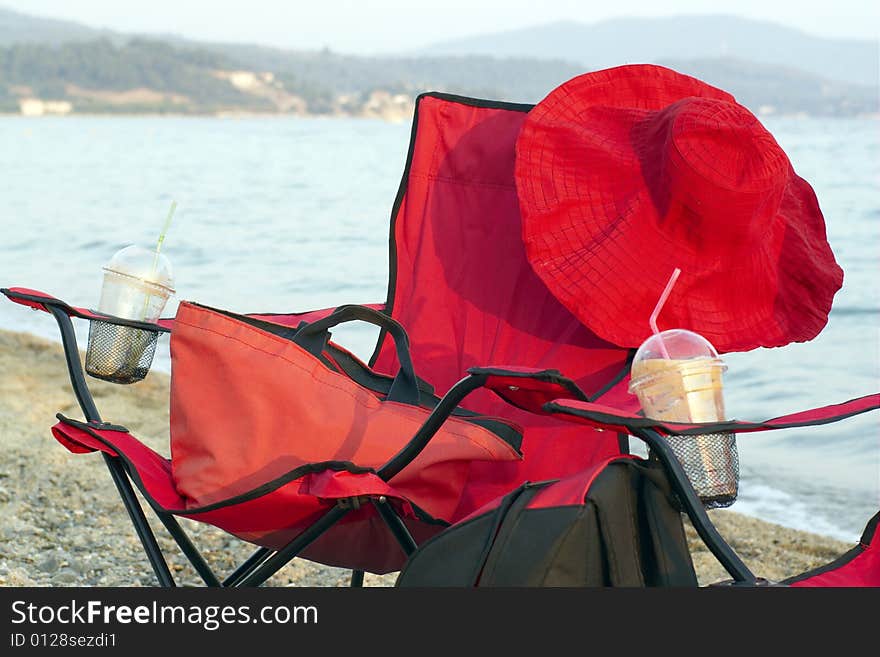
(74, 367)
(192, 553)
(695, 510)
(281, 558)
(258, 557)
(395, 524)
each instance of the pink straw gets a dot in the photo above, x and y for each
(653, 319)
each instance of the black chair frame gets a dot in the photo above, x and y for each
(264, 562)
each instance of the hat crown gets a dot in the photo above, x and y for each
(727, 145)
(720, 169)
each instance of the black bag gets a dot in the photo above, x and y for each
(616, 524)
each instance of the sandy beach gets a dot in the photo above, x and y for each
(62, 523)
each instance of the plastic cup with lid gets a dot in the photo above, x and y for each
(137, 284)
(677, 377)
(676, 374)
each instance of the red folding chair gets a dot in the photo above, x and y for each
(479, 324)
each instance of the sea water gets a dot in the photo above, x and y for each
(286, 214)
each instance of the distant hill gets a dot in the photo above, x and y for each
(637, 40)
(512, 79)
(44, 71)
(99, 76)
(761, 87)
(23, 28)
(144, 75)
(775, 89)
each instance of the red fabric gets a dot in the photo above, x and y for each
(572, 490)
(527, 388)
(467, 296)
(15, 295)
(859, 567)
(336, 485)
(152, 470)
(613, 419)
(569, 491)
(863, 570)
(234, 428)
(359, 540)
(627, 173)
(14, 292)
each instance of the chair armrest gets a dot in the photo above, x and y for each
(42, 301)
(613, 419)
(528, 388)
(548, 392)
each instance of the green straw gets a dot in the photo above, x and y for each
(159, 248)
(163, 233)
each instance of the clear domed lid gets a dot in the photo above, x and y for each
(680, 344)
(143, 264)
(684, 351)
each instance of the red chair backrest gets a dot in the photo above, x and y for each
(461, 285)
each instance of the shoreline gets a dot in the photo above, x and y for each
(63, 524)
(219, 115)
(290, 115)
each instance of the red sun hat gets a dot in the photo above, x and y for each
(627, 173)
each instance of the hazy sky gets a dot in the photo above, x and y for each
(387, 25)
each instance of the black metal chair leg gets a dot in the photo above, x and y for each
(141, 526)
(357, 578)
(192, 554)
(248, 566)
(395, 524)
(297, 545)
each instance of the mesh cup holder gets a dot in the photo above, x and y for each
(119, 354)
(711, 463)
